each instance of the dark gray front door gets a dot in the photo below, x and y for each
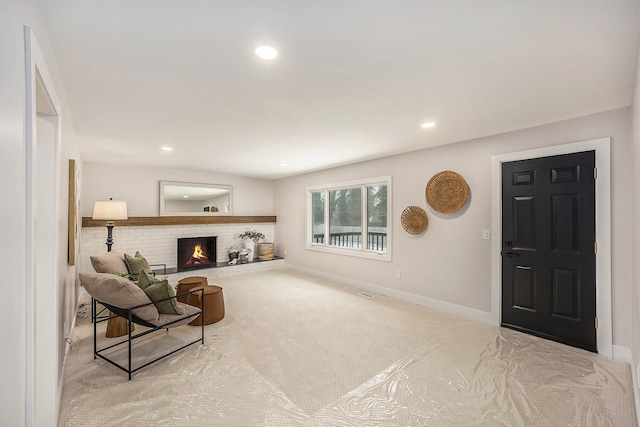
(548, 248)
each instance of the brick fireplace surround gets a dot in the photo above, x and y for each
(158, 244)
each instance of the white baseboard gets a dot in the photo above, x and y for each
(67, 353)
(636, 397)
(623, 354)
(469, 313)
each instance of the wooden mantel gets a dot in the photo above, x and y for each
(178, 220)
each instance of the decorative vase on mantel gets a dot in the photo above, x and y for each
(250, 245)
(250, 240)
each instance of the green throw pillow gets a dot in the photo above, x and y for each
(136, 264)
(161, 290)
(146, 279)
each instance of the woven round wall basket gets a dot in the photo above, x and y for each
(447, 192)
(414, 220)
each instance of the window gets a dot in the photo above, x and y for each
(351, 218)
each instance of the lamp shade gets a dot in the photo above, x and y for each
(109, 210)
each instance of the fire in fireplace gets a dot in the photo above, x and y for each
(196, 252)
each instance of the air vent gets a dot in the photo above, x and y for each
(366, 295)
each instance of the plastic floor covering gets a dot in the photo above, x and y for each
(294, 350)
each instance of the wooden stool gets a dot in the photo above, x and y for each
(186, 284)
(214, 304)
(118, 326)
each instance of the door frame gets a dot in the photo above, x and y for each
(43, 386)
(602, 148)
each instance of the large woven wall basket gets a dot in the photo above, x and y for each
(447, 192)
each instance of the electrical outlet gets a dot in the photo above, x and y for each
(398, 275)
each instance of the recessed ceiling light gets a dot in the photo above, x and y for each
(166, 148)
(186, 197)
(283, 164)
(266, 52)
(427, 125)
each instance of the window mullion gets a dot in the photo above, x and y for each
(327, 214)
(363, 218)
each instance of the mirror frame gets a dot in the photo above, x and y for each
(164, 184)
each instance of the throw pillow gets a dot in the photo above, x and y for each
(136, 264)
(160, 290)
(119, 292)
(146, 279)
(110, 262)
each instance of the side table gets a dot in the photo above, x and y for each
(213, 304)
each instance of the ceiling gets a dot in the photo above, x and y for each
(354, 79)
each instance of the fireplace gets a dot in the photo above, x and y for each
(196, 252)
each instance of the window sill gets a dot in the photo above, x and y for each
(377, 256)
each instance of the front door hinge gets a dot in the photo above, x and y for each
(596, 323)
(595, 247)
(595, 173)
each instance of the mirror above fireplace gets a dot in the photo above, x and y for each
(195, 199)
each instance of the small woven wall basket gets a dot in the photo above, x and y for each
(414, 220)
(447, 192)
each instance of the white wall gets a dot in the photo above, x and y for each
(140, 187)
(14, 15)
(635, 227)
(13, 211)
(451, 263)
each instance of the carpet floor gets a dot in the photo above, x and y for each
(295, 350)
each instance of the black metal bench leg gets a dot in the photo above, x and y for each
(130, 327)
(93, 319)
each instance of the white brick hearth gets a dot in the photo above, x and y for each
(158, 244)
